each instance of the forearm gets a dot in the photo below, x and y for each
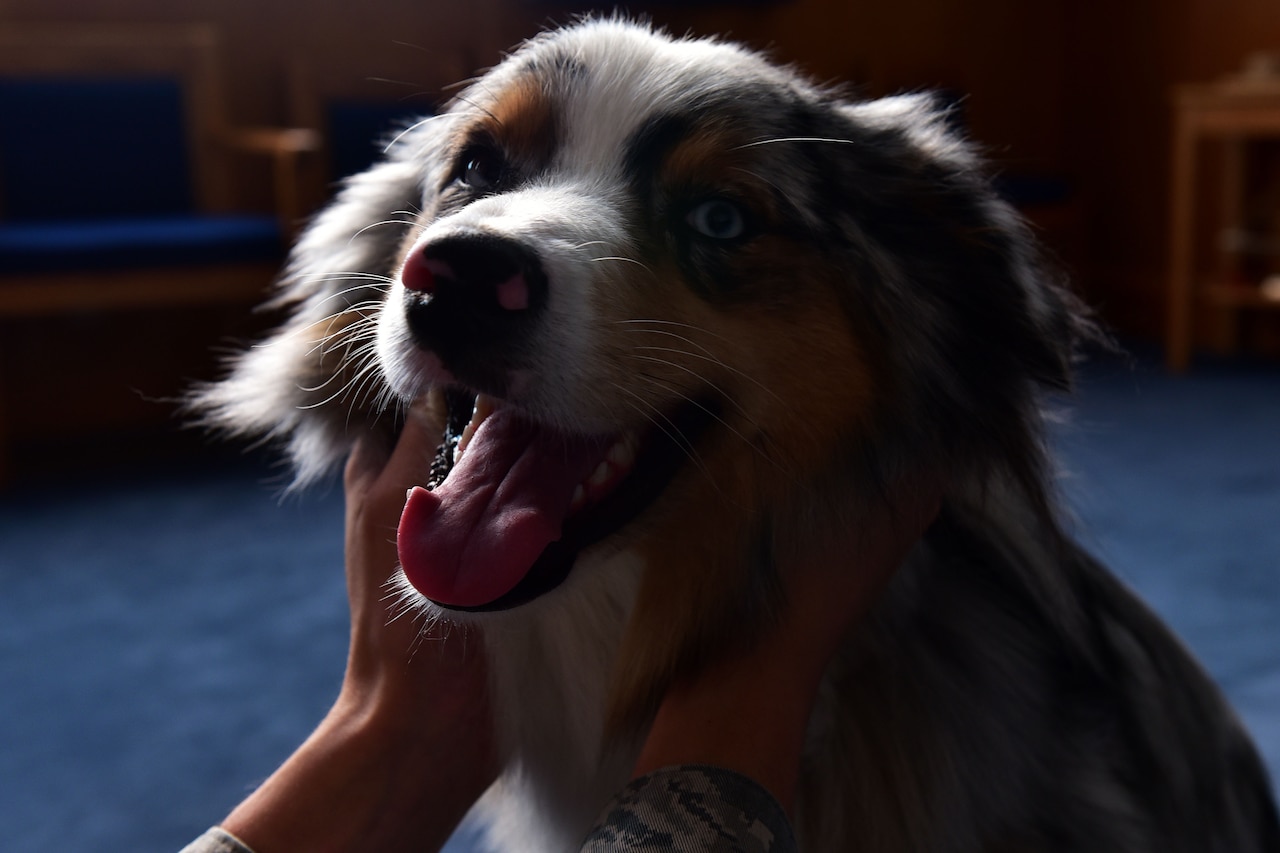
(408, 746)
(364, 781)
(748, 714)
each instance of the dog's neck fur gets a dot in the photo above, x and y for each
(552, 665)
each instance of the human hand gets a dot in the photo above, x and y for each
(407, 747)
(397, 665)
(831, 587)
(750, 711)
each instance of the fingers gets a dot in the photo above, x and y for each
(408, 459)
(415, 449)
(838, 580)
(367, 458)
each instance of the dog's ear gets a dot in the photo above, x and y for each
(313, 383)
(971, 318)
(924, 198)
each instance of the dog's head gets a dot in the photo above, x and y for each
(710, 307)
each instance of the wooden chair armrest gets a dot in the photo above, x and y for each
(285, 146)
(275, 141)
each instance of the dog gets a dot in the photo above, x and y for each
(691, 311)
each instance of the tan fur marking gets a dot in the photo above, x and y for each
(715, 161)
(523, 120)
(793, 400)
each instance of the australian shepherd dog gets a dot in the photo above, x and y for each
(689, 312)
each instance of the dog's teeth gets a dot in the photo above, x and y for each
(617, 463)
(623, 453)
(484, 407)
(600, 476)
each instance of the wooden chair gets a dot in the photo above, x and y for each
(1232, 112)
(355, 114)
(117, 177)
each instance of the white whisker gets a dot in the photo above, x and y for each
(379, 224)
(703, 353)
(628, 260)
(411, 128)
(668, 427)
(738, 433)
(653, 321)
(821, 139)
(708, 357)
(762, 179)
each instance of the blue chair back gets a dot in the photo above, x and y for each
(81, 148)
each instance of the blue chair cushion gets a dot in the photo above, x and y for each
(90, 148)
(358, 131)
(98, 245)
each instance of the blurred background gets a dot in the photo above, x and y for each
(169, 629)
(1073, 102)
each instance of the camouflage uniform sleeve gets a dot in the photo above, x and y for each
(692, 808)
(216, 840)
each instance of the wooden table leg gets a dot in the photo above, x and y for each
(1181, 249)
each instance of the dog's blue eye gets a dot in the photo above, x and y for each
(718, 219)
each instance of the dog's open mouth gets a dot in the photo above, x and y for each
(512, 503)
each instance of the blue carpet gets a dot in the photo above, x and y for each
(166, 640)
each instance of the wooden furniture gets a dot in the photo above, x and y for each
(1233, 113)
(188, 56)
(355, 113)
(118, 181)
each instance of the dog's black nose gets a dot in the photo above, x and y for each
(473, 300)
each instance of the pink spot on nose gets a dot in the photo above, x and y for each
(420, 273)
(513, 294)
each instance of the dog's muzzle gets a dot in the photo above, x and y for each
(475, 300)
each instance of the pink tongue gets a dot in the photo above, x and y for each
(477, 535)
